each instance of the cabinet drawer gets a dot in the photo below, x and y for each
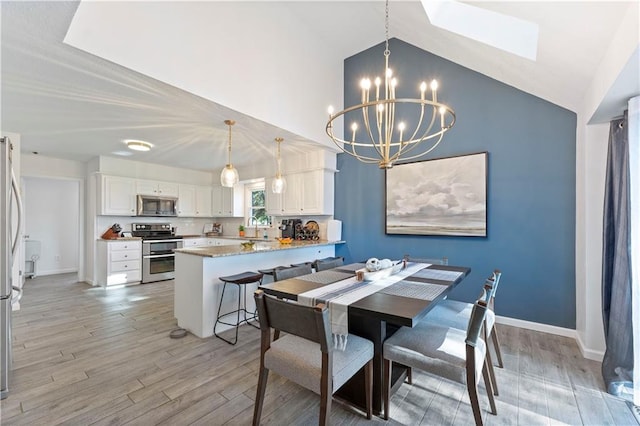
(117, 256)
(125, 245)
(125, 265)
(124, 277)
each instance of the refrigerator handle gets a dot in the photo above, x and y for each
(16, 192)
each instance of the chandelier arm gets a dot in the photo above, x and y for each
(421, 153)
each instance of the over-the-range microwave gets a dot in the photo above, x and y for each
(149, 205)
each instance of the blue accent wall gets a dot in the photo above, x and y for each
(530, 193)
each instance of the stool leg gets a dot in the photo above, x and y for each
(219, 316)
(255, 314)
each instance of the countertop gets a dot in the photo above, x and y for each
(121, 239)
(259, 247)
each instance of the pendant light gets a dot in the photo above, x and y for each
(229, 175)
(279, 184)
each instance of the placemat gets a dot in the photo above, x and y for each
(326, 277)
(413, 290)
(437, 274)
(352, 267)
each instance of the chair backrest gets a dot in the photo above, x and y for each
(309, 322)
(282, 273)
(476, 320)
(324, 264)
(431, 260)
(491, 285)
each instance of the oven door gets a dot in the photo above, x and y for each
(158, 260)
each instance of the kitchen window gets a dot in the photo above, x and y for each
(255, 199)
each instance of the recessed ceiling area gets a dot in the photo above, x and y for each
(74, 88)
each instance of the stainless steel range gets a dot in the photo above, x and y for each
(158, 243)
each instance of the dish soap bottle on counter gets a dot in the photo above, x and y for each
(265, 235)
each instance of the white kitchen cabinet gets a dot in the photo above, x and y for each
(119, 262)
(150, 187)
(308, 193)
(223, 203)
(187, 201)
(194, 242)
(117, 196)
(194, 201)
(204, 201)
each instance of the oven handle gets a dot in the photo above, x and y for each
(156, 256)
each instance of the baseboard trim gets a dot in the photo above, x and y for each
(589, 353)
(552, 329)
(56, 272)
(536, 326)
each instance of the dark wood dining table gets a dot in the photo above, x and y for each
(376, 317)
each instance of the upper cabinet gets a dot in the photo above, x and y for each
(308, 193)
(116, 196)
(161, 189)
(224, 203)
(194, 201)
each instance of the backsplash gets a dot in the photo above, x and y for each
(195, 226)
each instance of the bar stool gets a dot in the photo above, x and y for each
(328, 263)
(302, 264)
(241, 280)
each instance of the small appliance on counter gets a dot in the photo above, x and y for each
(213, 229)
(289, 227)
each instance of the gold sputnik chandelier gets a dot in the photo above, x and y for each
(384, 142)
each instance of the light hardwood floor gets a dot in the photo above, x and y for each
(85, 356)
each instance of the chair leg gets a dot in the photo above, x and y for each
(325, 407)
(387, 388)
(472, 388)
(262, 386)
(410, 375)
(368, 387)
(492, 373)
(488, 385)
(496, 346)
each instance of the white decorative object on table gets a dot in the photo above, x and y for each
(377, 269)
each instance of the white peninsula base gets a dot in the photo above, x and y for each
(197, 288)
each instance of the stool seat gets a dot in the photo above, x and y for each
(240, 280)
(269, 271)
(302, 264)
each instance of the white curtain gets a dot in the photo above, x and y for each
(634, 222)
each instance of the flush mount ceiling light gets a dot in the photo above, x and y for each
(229, 175)
(279, 184)
(137, 145)
(385, 143)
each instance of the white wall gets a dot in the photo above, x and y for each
(591, 155)
(52, 216)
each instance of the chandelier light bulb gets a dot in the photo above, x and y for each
(330, 109)
(434, 85)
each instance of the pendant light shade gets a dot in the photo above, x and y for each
(229, 175)
(279, 184)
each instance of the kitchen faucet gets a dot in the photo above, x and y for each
(255, 220)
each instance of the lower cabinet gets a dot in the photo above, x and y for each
(118, 262)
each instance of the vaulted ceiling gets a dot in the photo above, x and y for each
(77, 79)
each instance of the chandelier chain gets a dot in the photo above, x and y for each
(386, 30)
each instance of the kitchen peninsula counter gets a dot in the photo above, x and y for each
(197, 287)
(258, 247)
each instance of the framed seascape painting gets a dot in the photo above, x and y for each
(443, 196)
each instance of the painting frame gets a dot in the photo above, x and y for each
(444, 196)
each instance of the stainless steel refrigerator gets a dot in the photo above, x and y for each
(10, 238)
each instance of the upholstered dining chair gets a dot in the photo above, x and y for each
(329, 263)
(305, 354)
(454, 313)
(284, 272)
(444, 351)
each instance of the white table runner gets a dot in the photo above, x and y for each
(342, 293)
